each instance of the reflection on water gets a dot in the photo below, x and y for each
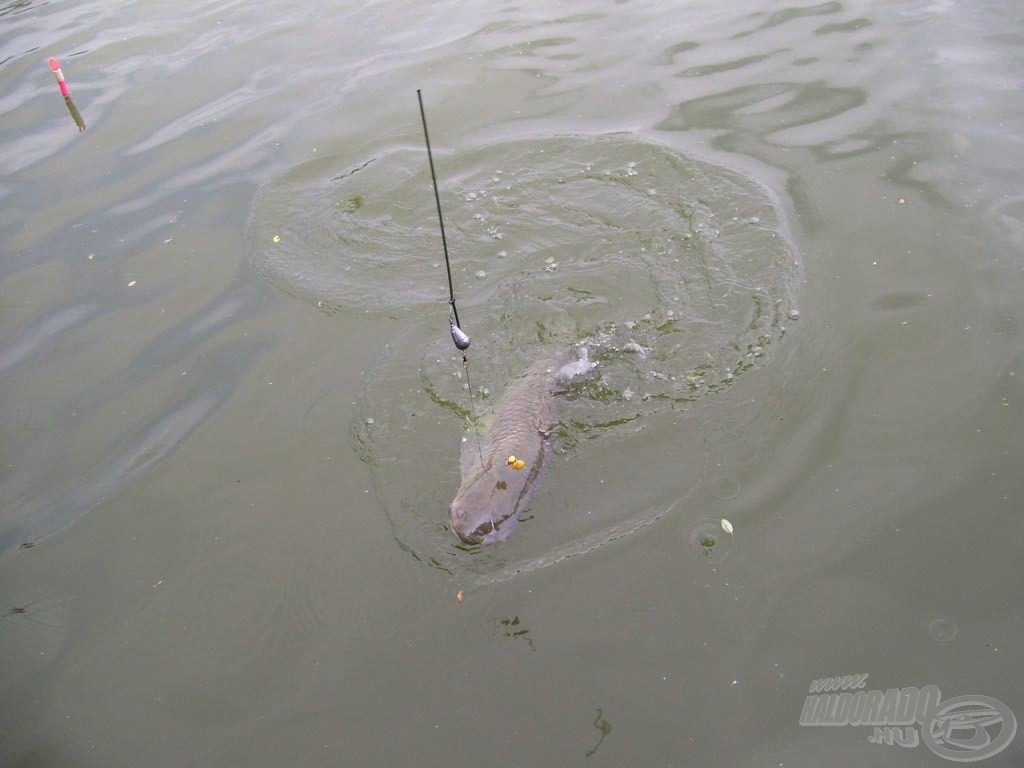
(110, 475)
(34, 517)
(249, 588)
(33, 338)
(676, 274)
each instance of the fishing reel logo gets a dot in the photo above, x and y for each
(963, 729)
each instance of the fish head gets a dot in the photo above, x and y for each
(486, 507)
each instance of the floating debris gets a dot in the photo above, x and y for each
(633, 348)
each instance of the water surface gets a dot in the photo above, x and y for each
(212, 555)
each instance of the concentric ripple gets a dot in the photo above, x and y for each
(676, 274)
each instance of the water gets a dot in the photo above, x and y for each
(226, 464)
(677, 274)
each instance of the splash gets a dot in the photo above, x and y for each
(676, 274)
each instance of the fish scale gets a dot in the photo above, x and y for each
(487, 505)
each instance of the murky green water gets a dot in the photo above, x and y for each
(676, 275)
(227, 459)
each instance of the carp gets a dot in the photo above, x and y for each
(503, 463)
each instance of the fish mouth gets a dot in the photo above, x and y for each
(486, 532)
(477, 536)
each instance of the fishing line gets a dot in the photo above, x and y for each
(459, 337)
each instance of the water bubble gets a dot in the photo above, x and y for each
(481, 274)
(471, 196)
(725, 487)
(794, 314)
(708, 539)
(942, 629)
(369, 422)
